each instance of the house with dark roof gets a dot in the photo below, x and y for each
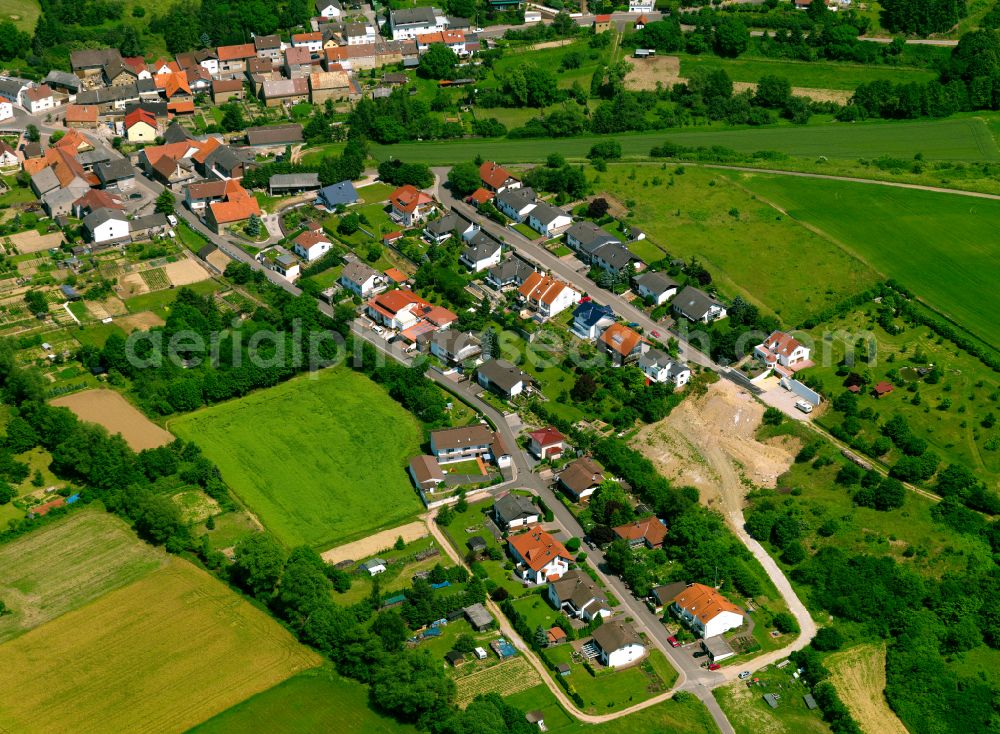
(696, 305)
(292, 183)
(618, 642)
(577, 595)
(516, 203)
(590, 319)
(548, 220)
(509, 273)
(657, 288)
(409, 23)
(453, 346)
(338, 194)
(614, 258)
(659, 366)
(482, 252)
(118, 174)
(585, 237)
(144, 227)
(503, 378)
(64, 81)
(426, 473)
(514, 511)
(440, 229)
(469, 442)
(478, 616)
(581, 478)
(105, 226)
(362, 279)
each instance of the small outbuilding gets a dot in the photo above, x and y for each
(479, 617)
(810, 702)
(476, 544)
(455, 657)
(374, 566)
(771, 700)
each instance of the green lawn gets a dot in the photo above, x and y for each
(957, 138)
(376, 192)
(750, 714)
(811, 74)
(940, 246)
(312, 156)
(320, 459)
(23, 13)
(94, 335)
(312, 701)
(749, 247)
(160, 301)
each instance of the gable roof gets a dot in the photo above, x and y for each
(457, 438)
(140, 115)
(582, 474)
(655, 282)
(578, 588)
(512, 507)
(99, 216)
(590, 313)
(546, 213)
(517, 199)
(35, 94)
(621, 339)
(426, 469)
(649, 529)
(693, 303)
(589, 235)
(503, 374)
(538, 549)
(275, 134)
(704, 602)
(542, 288)
(339, 193)
(81, 113)
(407, 198)
(448, 223)
(481, 246)
(493, 175)
(239, 51)
(781, 343)
(359, 272)
(547, 436)
(612, 636)
(237, 206)
(413, 16)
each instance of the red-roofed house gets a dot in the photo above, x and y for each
(883, 388)
(140, 126)
(237, 205)
(173, 84)
(396, 275)
(649, 532)
(622, 344)
(81, 115)
(480, 196)
(403, 309)
(39, 99)
(548, 296)
(311, 246)
(233, 59)
(546, 443)
(781, 348)
(602, 23)
(539, 556)
(8, 156)
(410, 205)
(496, 179)
(707, 612)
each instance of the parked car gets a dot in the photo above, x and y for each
(744, 675)
(714, 666)
(656, 334)
(378, 329)
(673, 641)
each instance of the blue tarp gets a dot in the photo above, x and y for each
(441, 585)
(72, 498)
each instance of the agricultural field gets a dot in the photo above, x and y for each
(940, 246)
(319, 459)
(957, 138)
(811, 74)
(164, 653)
(750, 714)
(312, 701)
(506, 678)
(67, 564)
(948, 414)
(750, 249)
(859, 677)
(109, 409)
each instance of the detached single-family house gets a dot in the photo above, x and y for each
(591, 318)
(497, 179)
(8, 156)
(140, 126)
(516, 203)
(657, 287)
(781, 348)
(548, 220)
(105, 226)
(511, 273)
(707, 612)
(329, 9)
(469, 442)
(311, 246)
(426, 473)
(614, 257)
(409, 205)
(581, 478)
(514, 511)
(546, 443)
(236, 206)
(503, 378)
(623, 344)
(412, 315)
(546, 295)
(696, 305)
(39, 99)
(440, 229)
(361, 279)
(539, 556)
(482, 252)
(618, 642)
(338, 194)
(224, 90)
(585, 237)
(454, 347)
(578, 596)
(648, 531)
(660, 367)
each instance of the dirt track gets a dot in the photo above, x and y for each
(367, 547)
(109, 409)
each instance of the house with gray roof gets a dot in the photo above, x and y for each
(548, 220)
(514, 511)
(479, 617)
(503, 377)
(12, 89)
(454, 347)
(338, 194)
(93, 59)
(659, 366)
(657, 287)
(614, 257)
(110, 98)
(362, 279)
(116, 174)
(106, 226)
(510, 273)
(64, 80)
(440, 229)
(482, 252)
(59, 202)
(292, 183)
(585, 237)
(618, 643)
(152, 224)
(696, 305)
(409, 23)
(516, 203)
(44, 181)
(576, 594)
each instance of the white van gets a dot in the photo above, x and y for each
(804, 405)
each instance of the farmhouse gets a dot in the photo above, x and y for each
(581, 478)
(660, 367)
(658, 288)
(361, 279)
(546, 295)
(590, 319)
(39, 99)
(577, 595)
(707, 612)
(649, 532)
(784, 349)
(292, 183)
(539, 556)
(514, 511)
(546, 443)
(81, 115)
(623, 344)
(410, 205)
(618, 643)
(426, 473)
(698, 306)
(454, 347)
(224, 90)
(497, 179)
(503, 378)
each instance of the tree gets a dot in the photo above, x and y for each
(400, 543)
(349, 224)
(232, 117)
(257, 565)
(165, 202)
(411, 686)
(391, 629)
(828, 639)
(773, 417)
(464, 179)
(541, 638)
(438, 62)
(7, 493)
(254, 225)
(785, 623)
(731, 37)
(37, 302)
(31, 133)
(773, 91)
(584, 388)
(607, 150)
(597, 207)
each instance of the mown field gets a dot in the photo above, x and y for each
(312, 701)
(63, 566)
(749, 248)
(943, 247)
(812, 74)
(859, 676)
(22, 13)
(958, 138)
(320, 459)
(162, 654)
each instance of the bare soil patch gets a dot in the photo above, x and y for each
(142, 321)
(219, 260)
(186, 272)
(366, 547)
(710, 443)
(109, 409)
(859, 677)
(132, 285)
(31, 241)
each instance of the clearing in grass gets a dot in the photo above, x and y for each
(67, 564)
(320, 459)
(942, 247)
(162, 654)
(750, 249)
(312, 701)
(859, 677)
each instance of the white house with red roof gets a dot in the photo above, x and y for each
(403, 310)
(546, 443)
(546, 295)
(409, 205)
(707, 612)
(782, 349)
(539, 556)
(497, 179)
(311, 246)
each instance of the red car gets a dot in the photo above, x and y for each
(714, 666)
(673, 642)
(655, 333)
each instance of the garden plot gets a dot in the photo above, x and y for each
(32, 241)
(185, 272)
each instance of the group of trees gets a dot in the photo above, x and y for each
(397, 118)
(921, 18)
(398, 173)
